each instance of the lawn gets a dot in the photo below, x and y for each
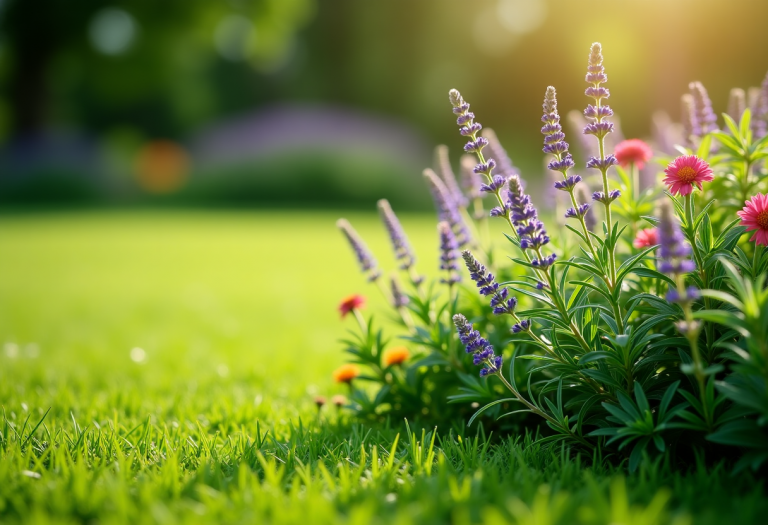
(161, 367)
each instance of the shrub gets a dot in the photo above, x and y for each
(648, 332)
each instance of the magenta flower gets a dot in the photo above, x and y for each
(683, 172)
(755, 217)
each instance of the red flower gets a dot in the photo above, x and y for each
(351, 302)
(684, 172)
(633, 151)
(646, 238)
(755, 217)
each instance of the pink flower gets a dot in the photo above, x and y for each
(755, 217)
(646, 238)
(633, 151)
(351, 302)
(684, 172)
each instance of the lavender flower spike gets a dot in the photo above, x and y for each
(760, 115)
(364, 256)
(737, 103)
(446, 208)
(469, 128)
(500, 300)
(505, 166)
(702, 105)
(400, 244)
(470, 180)
(529, 228)
(596, 113)
(443, 167)
(691, 128)
(554, 138)
(477, 345)
(674, 253)
(590, 221)
(399, 299)
(449, 254)
(466, 122)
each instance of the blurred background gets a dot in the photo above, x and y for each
(325, 103)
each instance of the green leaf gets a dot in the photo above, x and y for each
(489, 405)
(744, 125)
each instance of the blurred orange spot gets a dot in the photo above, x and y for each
(162, 166)
(395, 356)
(346, 373)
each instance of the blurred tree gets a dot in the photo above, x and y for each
(150, 63)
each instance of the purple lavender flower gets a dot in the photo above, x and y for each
(496, 183)
(499, 211)
(554, 138)
(470, 180)
(599, 111)
(737, 103)
(476, 144)
(525, 217)
(500, 300)
(691, 128)
(522, 326)
(518, 203)
(602, 164)
(562, 164)
(674, 251)
(400, 244)
(598, 129)
(590, 221)
(702, 106)
(574, 213)
(477, 345)
(364, 256)
(568, 183)
(399, 299)
(760, 115)
(544, 262)
(446, 207)
(691, 294)
(495, 149)
(449, 253)
(443, 166)
(599, 196)
(466, 123)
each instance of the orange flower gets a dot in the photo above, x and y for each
(351, 302)
(346, 373)
(339, 400)
(396, 355)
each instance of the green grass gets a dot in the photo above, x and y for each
(212, 419)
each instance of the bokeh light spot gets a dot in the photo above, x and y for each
(522, 16)
(162, 166)
(112, 31)
(234, 37)
(489, 35)
(138, 355)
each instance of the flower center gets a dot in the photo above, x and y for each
(687, 174)
(762, 220)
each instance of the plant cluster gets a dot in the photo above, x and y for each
(646, 327)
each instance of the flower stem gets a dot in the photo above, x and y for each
(533, 408)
